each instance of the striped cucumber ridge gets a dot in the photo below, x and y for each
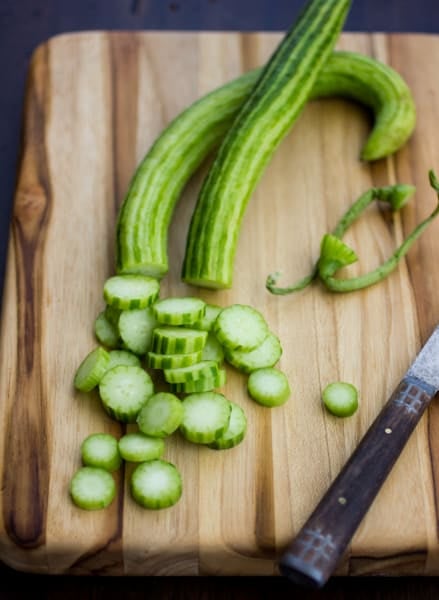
(272, 107)
(382, 89)
(166, 168)
(186, 142)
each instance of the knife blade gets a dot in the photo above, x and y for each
(313, 555)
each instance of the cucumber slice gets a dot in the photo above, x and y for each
(124, 390)
(265, 355)
(268, 387)
(177, 340)
(106, 333)
(136, 328)
(240, 327)
(92, 488)
(206, 417)
(161, 415)
(101, 450)
(340, 398)
(205, 368)
(138, 447)
(235, 432)
(205, 384)
(156, 484)
(206, 323)
(122, 357)
(91, 370)
(179, 311)
(172, 361)
(131, 291)
(213, 350)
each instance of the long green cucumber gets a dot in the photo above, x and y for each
(142, 235)
(273, 106)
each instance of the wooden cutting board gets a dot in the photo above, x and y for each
(95, 103)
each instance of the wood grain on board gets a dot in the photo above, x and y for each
(95, 103)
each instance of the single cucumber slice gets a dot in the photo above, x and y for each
(156, 484)
(172, 361)
(205, 384)
(91, 370)
(179, 311)
(177, 340)
(92, 488)
(206, 323)
(235, 432)
(213, 350)
(161, 415)
(131, 291)
(268, 387)
(122, 357)
(138, 447)
(340, 398)
(101, 450)
(136, 328)
(206, 417)
(205, 368)
(106, 332)
(240, 327)
(124, 390)
(265, 355)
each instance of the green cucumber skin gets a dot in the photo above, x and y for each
(379, 87)
(147, 209)
(265, 118)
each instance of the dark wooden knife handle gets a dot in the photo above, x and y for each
(314, 553)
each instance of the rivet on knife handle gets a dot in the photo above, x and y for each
(315, 552)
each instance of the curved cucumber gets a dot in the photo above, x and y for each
(142, 229)
(274, 104)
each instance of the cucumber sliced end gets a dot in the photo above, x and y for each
(101, 450)
(161, 415)
(92, 488)
(91, 370)
(206, 416)
(269, 387)
(124, 390)
(340, 398)
(138, 447)
(235, 432)
(156, 484)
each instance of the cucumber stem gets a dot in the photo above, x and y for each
(395, 195)
(378, 274)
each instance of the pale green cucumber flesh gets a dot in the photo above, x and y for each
(268, 387)
(136, 329)
(106, 333)
(91, 370)
(161, 415)
(206, 416)
(235, 432)
(138, 447)
(92, 488)
(240, 327)
(101, 450)
(124, 390)
(156, 484)
(128, 292)
(266, 354)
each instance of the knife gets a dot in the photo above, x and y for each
(315, 552)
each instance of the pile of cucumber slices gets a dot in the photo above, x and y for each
(184, 342)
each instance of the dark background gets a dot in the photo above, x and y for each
(26, 23)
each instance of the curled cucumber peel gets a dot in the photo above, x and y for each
(145, 215)
(335, 254)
